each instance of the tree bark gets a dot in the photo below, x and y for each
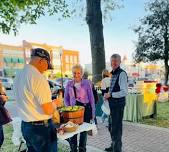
(166, 74)
(94, 21)
(166, 55)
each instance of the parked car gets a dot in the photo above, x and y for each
(54, 87)
(7, 82)
(65, 81)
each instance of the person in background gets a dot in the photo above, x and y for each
(34, 104)
(3, 99)
(105, 85)
(79, 92)
(85, 76)
(116, 96)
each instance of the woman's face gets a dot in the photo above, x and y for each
(77, 75)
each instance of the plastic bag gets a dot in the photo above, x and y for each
(17, 135)
(105, 107)
(94, 131)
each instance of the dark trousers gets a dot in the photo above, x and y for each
(82, 142)
(115, 127)
(83, 135)
(1, 135)
(39, 137)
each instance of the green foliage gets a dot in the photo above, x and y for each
(13, 13)
(108, 6)
(78, 8)
(153, 32)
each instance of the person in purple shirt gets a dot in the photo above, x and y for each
(79, 92)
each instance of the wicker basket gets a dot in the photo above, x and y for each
(73, 116)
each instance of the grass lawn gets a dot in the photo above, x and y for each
(9, 147)
(162, 119)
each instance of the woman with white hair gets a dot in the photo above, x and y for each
(79, 92)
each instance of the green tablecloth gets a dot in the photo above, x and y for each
(136, 109)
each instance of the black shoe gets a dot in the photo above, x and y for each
(110, 149)
(25, 150)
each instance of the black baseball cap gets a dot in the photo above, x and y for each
(43, 54)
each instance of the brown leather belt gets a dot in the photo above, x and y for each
(43, 122)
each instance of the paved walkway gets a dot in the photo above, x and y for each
(136, 138)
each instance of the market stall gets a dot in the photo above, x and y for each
(140, 101)
(72, 124)
(134, 107)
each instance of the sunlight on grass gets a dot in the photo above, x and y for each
(162, 119)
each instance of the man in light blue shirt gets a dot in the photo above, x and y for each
(116, 97)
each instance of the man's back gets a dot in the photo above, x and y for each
(28, 87)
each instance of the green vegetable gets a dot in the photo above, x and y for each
(70, 108)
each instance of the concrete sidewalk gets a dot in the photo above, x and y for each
(136, 138)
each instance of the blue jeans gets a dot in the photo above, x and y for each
(1, 135)
(39, 138)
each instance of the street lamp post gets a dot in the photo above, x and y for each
(60, 53)
(138, 66)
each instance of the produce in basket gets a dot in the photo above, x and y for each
(70, 108)
(74, 114)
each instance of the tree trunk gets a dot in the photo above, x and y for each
(166, 74)
(94, 21)
(166, 55)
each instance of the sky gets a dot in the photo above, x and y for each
(73, 33)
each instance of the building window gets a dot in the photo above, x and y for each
(67, 67)
(12, 52)
(71, 59)
(67, 58)
(75, 60)
(71, 65)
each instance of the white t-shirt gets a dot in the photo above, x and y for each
(77, 85)
(105, 83)
(31, 90)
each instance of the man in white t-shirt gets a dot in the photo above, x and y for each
(34, 104)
